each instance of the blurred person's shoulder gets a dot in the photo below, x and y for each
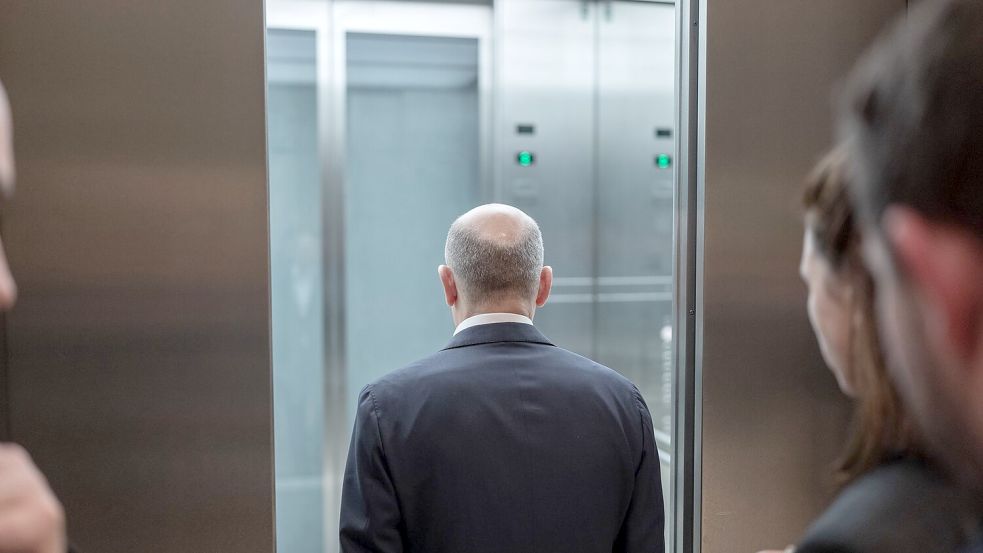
(902, 506)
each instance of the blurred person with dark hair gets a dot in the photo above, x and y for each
(913, 113)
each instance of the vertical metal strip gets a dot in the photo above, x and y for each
(487, 75)
(269, 266)
(331, 131)
(698, 184)
(498, 127)
(596, 187)
(686, 486)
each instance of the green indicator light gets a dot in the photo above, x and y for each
(663, 161)
(525, 159)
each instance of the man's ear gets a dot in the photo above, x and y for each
(545, 285)
(450, 286)
(943, 265)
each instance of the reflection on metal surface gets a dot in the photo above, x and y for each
(596, 83)
(297, 290)
(139, 354)
(640, 289)
(772, 418)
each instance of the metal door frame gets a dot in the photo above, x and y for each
(690, 99)
(300, 15)
(331, 21)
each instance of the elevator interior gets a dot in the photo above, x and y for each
(386, 121)
(135, 367)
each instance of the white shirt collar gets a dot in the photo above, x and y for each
(489, 318)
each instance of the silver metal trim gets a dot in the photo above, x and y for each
(690, 65)
(315, 17)
(330, 117)
(595, 241)
(698, 243)
(269, 273)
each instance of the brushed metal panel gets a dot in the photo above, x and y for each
(772, 417)
(634, 210)
(139, 357)
(546, 78)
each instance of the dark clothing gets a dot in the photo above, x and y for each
(502, 442)
(975, 548)
(903, 506)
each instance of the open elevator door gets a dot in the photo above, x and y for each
(395, 128)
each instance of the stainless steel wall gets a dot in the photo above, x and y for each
(138, 357)
(773, 419)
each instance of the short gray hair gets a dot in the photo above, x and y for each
(487, 269)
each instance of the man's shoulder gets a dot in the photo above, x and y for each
(408, 374)
(898, 507)
(595, 370)
(453, 365)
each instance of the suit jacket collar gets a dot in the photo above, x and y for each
(497, 332)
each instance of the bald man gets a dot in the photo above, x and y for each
(501, 442)
(31, 518)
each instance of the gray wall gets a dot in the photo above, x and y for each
(138, 358)
(773, 419)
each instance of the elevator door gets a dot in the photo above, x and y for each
(396, 129)
(586, 91)
(411, 167)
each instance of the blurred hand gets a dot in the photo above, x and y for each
(31, 518)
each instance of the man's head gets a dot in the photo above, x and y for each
(494, 263)
(8, 289)
(914, 115)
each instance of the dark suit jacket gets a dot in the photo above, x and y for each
(975, 548)
(502, 442)
(903, 506)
